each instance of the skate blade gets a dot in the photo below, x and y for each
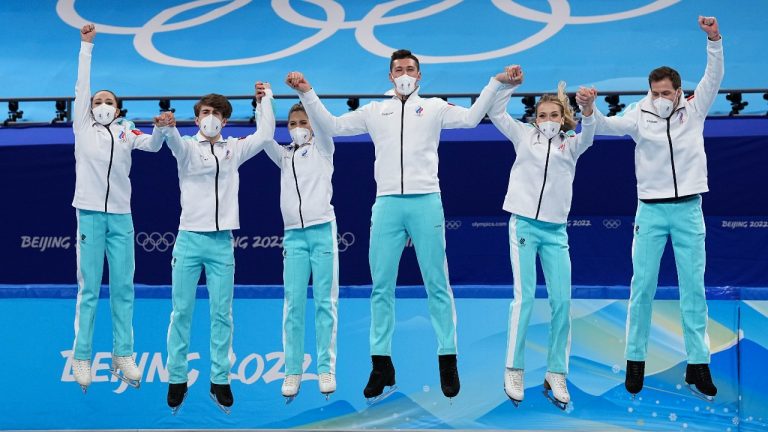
(514, 401)
(133, 383)
(376, 399)
(84, 388)
(225, 409)
(327, 395)
(289, 399)
(175, 410)
(700, 395)
(562, 405)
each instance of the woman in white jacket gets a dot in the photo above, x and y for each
(539, 199)
(309, 247)
(103, 145)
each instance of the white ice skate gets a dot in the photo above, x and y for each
(327, 384)
(513, 385)
(555, 382)
(290, 389)
(131, 374)
(82, 372)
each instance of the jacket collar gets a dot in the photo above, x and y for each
(200, 138)
(647, 104)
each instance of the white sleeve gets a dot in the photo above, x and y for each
(455, 117)
(586, 137)
(513, 129)
(251, 145)
(325, 145)
(176, 143)
(141, 141)
(625, 124)
(273, 150)
(352, 123)
(81, 112)
(707, 89)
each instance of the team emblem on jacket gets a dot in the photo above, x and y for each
(304, 153)
(121, 136)
(419, 111)
(228, 155)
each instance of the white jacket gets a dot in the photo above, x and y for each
(103, 153)
(669, 154)
(208, 172)
(305, 181)
(541, 180)
(405, 134)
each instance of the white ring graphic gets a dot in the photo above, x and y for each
(558, 17)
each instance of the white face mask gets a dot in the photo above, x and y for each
(210, 126)
(550, 129)
(300, 135)
(104, 114)
(405, 84)
(663, 106)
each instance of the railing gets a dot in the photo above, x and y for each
(63, 105)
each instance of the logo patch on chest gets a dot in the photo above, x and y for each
(419, 111)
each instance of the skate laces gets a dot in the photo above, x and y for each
(123, 362)
(81, 366)
(515, 377)
(326, 378)
(702, 374)
(558, 381)
(635, 368)
(292, 380)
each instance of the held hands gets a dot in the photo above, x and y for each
(512, 75)
(87, 33)
(296, 81)
(585, 98)
(165, 119)
(261, 90)
(710, 27)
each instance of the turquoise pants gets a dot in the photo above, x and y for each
(684, 223)
(527, 239)
(193, 252)
(396, 218)
(312, 250)
(97, 233)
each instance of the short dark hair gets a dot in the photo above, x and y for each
(663, 72)
(295, 108)
(117, 100)
(402, 54)
(215, 101)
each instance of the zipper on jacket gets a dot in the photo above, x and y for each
(217, 187)
(672, 156)
(402, 166)
(296, 179)
(543, 184)
(669, 140)
(109, 170)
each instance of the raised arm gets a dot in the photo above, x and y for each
(512, 128)
(625, 124)
(249, 146)
(707, 89)
(81, 116)
(585, 98)
(172, 137)
(352, 123)
(455, 117)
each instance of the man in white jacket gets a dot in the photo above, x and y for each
(671, 170)
(406, 133)
(209, 181)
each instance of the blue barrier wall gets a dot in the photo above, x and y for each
(38, 183)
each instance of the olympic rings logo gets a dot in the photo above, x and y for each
(345, 241)
(155, 241)
(453, 225)
(611, 223)
(555, 20)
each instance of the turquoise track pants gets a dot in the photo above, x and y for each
(395, 218)
(527, 239)
(684, 223)
(312, 250)
(193, 252)
(99, 233)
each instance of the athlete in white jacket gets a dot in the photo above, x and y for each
(209, 181)
(406, 133)
(103, 145)
(539, 199)
(671, 170)
(309, 248)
